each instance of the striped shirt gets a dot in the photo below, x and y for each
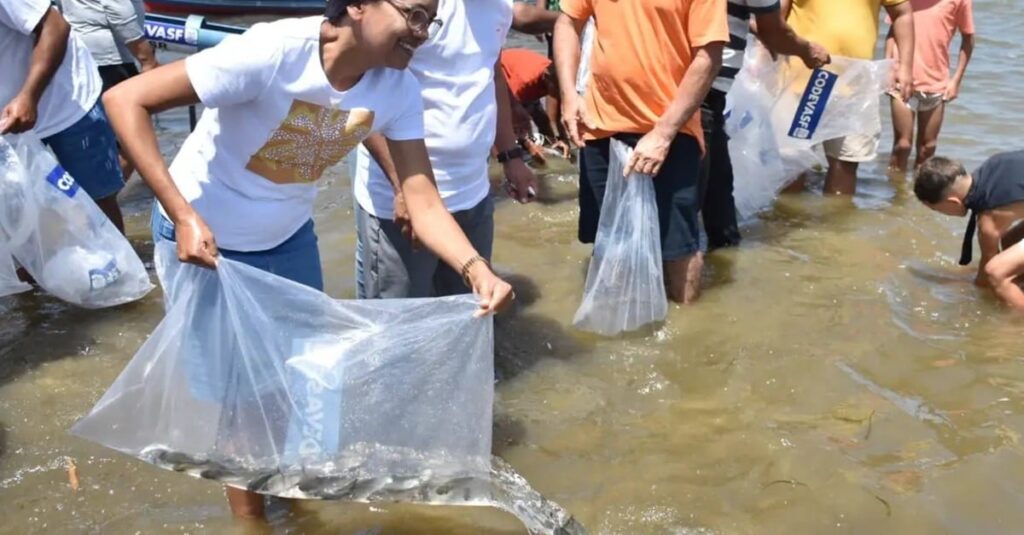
(739, 26)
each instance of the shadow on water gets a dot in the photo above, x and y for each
(522, 339)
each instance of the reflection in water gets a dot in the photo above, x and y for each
(841, 373)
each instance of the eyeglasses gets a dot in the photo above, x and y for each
(418, 19)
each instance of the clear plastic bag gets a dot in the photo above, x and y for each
(265, 384)
(778, 111)
(59, 235)
(625, 286)
(9, 283)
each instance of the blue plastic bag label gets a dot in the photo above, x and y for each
(313, 432)
(105, 276)
(812, 104)
(60, 179)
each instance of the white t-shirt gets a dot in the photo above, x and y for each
(75, 86)
(455, 68)
(273, 124)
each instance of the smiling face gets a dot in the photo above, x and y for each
(393, 29)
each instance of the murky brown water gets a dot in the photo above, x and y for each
(841, 374)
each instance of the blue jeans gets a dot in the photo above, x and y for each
(296, 259)
(87, 150)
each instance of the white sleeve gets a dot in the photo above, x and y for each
(22, 16)
(763, 6)
(407, 122)
(122, 20)
(237, 70)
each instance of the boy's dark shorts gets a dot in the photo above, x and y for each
(675, 191)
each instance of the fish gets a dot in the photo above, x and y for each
(349, 480)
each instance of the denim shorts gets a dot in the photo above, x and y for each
(676, 192)
(296, 259)
(87, 150)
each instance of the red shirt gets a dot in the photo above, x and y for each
(524, 69)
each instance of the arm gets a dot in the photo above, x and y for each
(129, 106)
(567, 61)
(785, 6)
(377, 145)
(890, 45)
(652, 149)
(988, 242)
(143, 51)
(534, 20)
(1002, 273)
(902, 16)
(437, 228)
(19, 115)
(781, 39)
(128, 30)
(521, 178)
(966, 51)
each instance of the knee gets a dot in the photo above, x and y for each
(927, 149)
(901, 146)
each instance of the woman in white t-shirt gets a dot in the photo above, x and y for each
(285, 101)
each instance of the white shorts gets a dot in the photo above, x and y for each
(853, 148)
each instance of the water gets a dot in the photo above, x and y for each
(840, 375)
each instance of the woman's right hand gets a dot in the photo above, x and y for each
(494, 293)
(195, 241)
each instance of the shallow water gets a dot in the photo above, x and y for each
(841, 374)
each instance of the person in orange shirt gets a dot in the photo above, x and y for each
(653, 63)
(935, 23)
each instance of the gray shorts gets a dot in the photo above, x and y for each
(387, 267)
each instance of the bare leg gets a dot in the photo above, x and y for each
(797, 185)
(112, 210)
(902, 133)
(683, 278)
(928, 125)
(245, 504)
(841, 178)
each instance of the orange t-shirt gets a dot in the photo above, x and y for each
(642, 49)
(524, 69)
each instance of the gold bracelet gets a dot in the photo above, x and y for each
(469, 263)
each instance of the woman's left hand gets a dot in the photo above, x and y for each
(494, 294)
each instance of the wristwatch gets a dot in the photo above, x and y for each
(511, 154)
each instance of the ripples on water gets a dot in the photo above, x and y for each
(841, 373)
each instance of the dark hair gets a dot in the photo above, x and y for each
(933, 179)
(337, 9)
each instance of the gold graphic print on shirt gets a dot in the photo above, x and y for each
(310, 139)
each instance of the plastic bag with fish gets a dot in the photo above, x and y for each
(779, 111)
(625, 286)
(59, 235)
(264, 384)
(9, 283)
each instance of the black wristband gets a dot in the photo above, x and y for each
(511, 154)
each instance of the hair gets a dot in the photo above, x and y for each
(933, 179)
(336, 10)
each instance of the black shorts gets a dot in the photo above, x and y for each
(115, 74)
(675, 190)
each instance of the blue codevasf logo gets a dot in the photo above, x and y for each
(812, 104)
(61, 180)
